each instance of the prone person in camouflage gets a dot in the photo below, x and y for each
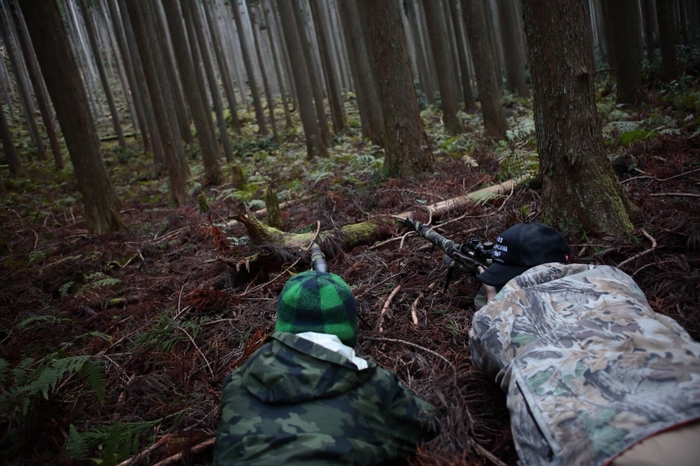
(305, 398)
(593, 374)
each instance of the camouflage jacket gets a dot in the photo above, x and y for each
(590, 369)
(296, 402)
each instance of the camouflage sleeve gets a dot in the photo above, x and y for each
(414, 418)
(589, 367)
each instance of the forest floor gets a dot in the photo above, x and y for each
(160, 307)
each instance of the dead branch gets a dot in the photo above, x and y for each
(404, 342)
(195, 449)
(643, 253)
(387, 303)
(442, 207)
(144, 454)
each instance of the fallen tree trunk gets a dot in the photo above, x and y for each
(276, 248)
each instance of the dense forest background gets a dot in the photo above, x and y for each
(166, 165)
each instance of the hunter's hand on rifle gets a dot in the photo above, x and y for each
(489, 291)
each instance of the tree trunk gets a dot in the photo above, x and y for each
(195, 97)
(335, 98)
(486, 78)
(494, 41)
(649, 16)
(368, 100)
(580, 190)
(278, 70)
(159, 90)
(627, 43)
(448, 101)
(224, 72)
(8, 145)
(668, 38)
(130, 86)
(180, 115)
(406, 145)
(312, 132)
(263, 71)
(514, 60)
(7, 32)
(469, 102)
(248, 63)
(424, 69)
(92, 40)
(200, 53)
(144, 94)
(58, 65)
(37, 83)
(316, 87)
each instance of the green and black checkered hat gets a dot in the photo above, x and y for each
(318, 302)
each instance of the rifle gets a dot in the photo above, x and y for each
(318, 259)
(462, 257)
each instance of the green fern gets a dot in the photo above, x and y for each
(76, 445)
(44, 380)
(114, 442)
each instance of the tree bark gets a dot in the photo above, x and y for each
(144, 93)
(316, 87)
(58, 65)
(180, 116)
(649, 15)
(407, 150)
(448, 101)
(486, 78)
(92, 40)
(200, 54)
(424, 69)
(8, 145)
(335, 98)
(514, 60)
(263, 71)
(195, 97)
(627, 43)
(224, 72)
(469, 102)
(7, 32)
(132, 85)
(580, 190)
(312, 132)
(248, 63)
(37, 83)
(668, 37)
(161, 97)
(278, 70)
(368, 100)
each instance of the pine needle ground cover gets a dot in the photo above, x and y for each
(118, 345)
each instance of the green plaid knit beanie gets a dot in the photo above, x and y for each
(318, 302)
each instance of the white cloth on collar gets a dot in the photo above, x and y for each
(333, 343)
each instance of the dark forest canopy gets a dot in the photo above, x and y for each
(135, 133)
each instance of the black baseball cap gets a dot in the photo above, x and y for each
(521, 247)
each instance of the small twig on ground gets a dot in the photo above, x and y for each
(179, 302)
(643, 253)
(195, 449)
(675, 194)
(414, 306)
(404, 342)
(211, 371)
(387, 303)
(487, 454)
(646, 177)
(142, 455)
